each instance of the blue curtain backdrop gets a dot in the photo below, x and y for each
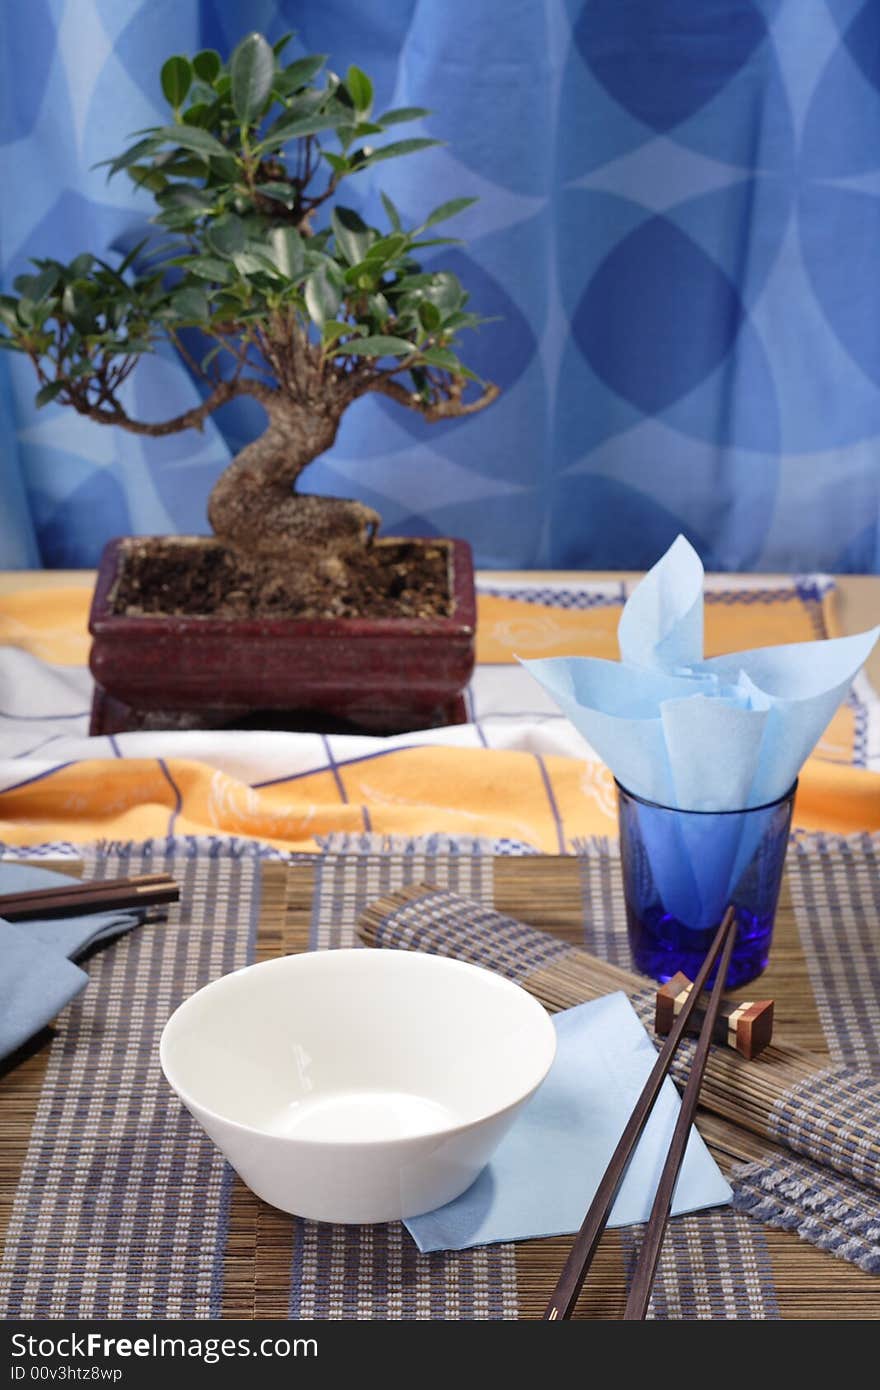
(679, 227)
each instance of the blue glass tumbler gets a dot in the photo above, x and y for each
(682, 868)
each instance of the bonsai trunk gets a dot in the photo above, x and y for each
(255, 510)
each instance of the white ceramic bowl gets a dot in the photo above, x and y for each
(357, 1085)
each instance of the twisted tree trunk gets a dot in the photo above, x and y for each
(255, 510)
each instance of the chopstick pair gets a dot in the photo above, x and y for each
(586, 1242)
(66, 900)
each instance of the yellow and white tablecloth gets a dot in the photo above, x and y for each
(516, 773)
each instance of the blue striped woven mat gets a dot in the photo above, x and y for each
(122, 1207)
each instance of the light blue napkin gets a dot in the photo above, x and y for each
(703, 735)
(542, 1177)
(723, 734)
(37, 973)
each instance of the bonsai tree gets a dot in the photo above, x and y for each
(298, 302)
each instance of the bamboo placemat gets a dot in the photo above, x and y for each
(275, 1267)
(548, 891)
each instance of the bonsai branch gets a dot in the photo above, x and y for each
(224, 391)
(447, 409)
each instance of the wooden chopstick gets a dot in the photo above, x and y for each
(63, 900)
(646, 1265)
(576, 1267)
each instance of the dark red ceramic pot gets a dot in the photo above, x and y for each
(381, 675)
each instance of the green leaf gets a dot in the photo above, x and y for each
(378, 345)
(430, 316)
(192, 138)
(392, 151)
(436, 241)
(201, 92)
(144, 177)
(445, 210)
(323, 296)
(378, 307)
(176, 78)
(207, 65)
(300, 73)
(76, 304)
(402, 113)
(252, 68)
(185, 195)
(292, 127)
(190, 303)
(280, 192)
(209, 356)
(129, 259)
(353, 236)
(42, 285)
(338, 163)
(445, 291)
(208, 268)
(180, 164)
(393, 214)
(254, 262)
(24, 311)
(357, 132)
(287, 251)
(138, 151)
(442, 357)
(69, 301)
(226, 237)
(280, 44)
(360, 89)
(228, 306)
(48, 392)
(201, 115)
(387, 247)
(81, 265)
(333, 330)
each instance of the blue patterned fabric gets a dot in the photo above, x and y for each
(678, 224)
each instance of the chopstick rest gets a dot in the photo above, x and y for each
(745, 1026)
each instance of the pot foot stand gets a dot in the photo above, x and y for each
(112, 716)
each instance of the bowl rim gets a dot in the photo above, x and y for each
(542, 1018)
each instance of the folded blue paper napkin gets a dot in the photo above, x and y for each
(703, 735)
(37, 973)
(724, 734)
(543, 1175)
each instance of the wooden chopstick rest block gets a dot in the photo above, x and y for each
(745, 1026)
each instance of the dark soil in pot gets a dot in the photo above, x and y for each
(391, 579)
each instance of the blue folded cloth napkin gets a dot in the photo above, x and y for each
(37, 972)
(545, 1172)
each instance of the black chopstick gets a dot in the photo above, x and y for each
(649, 1254)
(586, 1241)
(63, 900)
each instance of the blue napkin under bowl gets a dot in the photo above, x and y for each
(545, 1172)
